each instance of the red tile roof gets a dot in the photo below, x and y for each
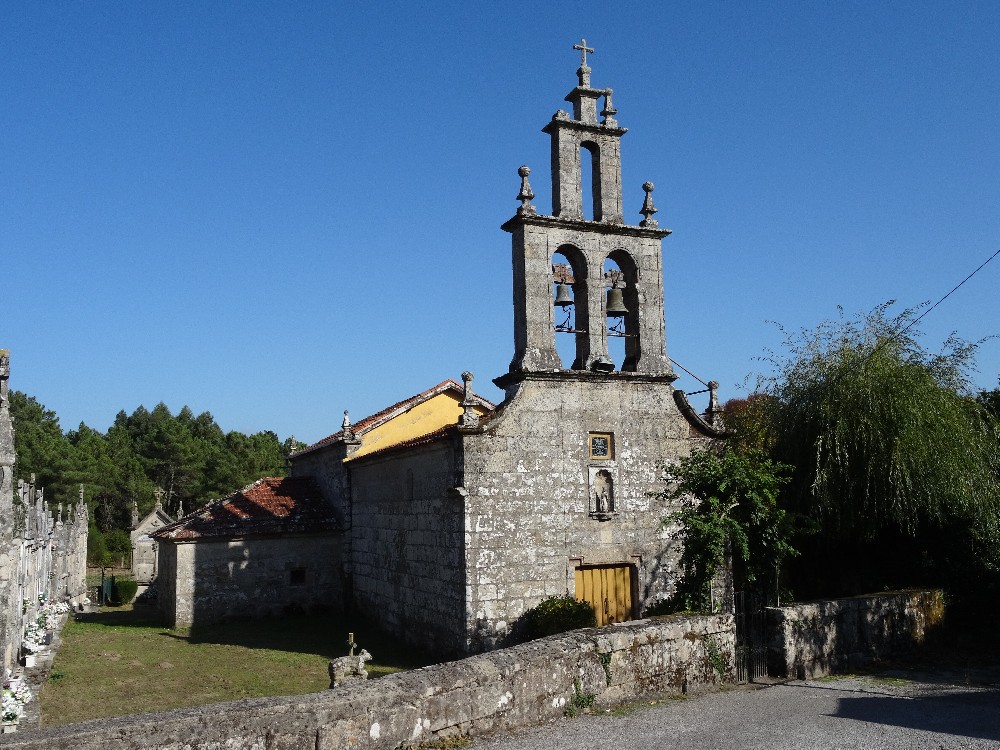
(381, 417)
(272, 505)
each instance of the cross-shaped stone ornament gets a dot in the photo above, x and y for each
(584, 49)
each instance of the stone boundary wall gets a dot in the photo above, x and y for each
(818, 638)
(511, 687)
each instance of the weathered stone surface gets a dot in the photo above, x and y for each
(819, 638)
(502, 689)
(43, 550)
(212, 580)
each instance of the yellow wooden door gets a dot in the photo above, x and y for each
(608, 588)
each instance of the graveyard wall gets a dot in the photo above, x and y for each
(43, 550)
(819, 638)
(501, 689)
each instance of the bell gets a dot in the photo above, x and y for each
(616, 303)
(564, 297)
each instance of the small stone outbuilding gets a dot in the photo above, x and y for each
(143, 545)
(271, 548)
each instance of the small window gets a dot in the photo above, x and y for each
(297, 577)
(601, 448)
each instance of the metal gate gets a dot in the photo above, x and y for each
(751, 637)
(608, 588)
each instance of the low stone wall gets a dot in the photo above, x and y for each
(819, 638)
(501, 689)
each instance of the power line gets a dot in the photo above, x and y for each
(917, 319)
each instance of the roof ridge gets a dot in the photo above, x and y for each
(380, 417)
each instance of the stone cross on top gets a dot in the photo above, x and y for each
(584, 71)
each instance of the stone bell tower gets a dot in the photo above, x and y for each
(573, 246)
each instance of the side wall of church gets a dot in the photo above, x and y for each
(407, 552)
(255, 577)
(533, 514)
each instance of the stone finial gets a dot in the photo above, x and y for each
(81, 489)
(135, 513)
(648, 209)
(60, 518)
(4, 374)
(180, 509)
(584, 70)
(469, 417)
(714, 410)
(609, 111)
(158, 494)
(525, 195)
(345, 427)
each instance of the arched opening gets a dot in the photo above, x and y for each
(590, 164)
(569, 285)
(622, 308)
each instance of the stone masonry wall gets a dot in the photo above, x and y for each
(529, 478)
(819, 638)
(43, 551)
(216, 580)
(407, 564)
(503, 689)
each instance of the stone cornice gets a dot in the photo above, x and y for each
(518, 376)
(582, 225)
(587, 127)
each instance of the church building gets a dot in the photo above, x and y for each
(458, 515)
(444, 517)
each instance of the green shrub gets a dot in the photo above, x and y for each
(125, 589)
(671, 605)
(556, 614)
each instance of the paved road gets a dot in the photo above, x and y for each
(944, 711)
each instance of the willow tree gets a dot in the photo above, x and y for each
(893, 455)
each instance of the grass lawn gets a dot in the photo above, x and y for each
(121, 661)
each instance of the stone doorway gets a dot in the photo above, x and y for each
(608, 588)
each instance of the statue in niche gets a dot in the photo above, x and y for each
(604, 495)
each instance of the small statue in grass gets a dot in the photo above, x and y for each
(350, 667)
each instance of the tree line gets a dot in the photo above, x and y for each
(863, 461)
(185, 459)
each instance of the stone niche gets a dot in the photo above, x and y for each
(602, 504)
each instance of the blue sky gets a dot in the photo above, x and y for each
(278, 211)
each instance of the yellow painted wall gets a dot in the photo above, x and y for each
(431, 415)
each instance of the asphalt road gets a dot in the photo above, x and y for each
(937, 711)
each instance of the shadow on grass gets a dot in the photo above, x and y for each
(323, 634)
(129, 616)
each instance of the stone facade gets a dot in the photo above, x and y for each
(214, 580)
(43, 554)
(143, 545)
